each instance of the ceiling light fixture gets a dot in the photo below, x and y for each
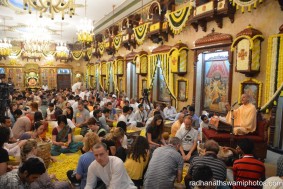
(62, 51)
(85, 29)
(36, 40)
(51, 6)
(5, 44)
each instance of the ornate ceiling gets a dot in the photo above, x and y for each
(16, 19)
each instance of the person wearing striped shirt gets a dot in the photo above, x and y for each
(165, 166)
(210, 159)
(248, 169)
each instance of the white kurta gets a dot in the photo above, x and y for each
(114, 175)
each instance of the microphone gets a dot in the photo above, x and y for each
(234, 104)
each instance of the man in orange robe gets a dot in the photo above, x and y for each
(244, 117)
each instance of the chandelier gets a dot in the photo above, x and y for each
(62, 51)
(36, 40)
(85, 29)
(5, 45)
(51, 6)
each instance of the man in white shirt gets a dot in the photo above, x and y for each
(170, 112)
(50, 111)
(140, 116)
(109, 169)
(76, 86)
(124, 115)
(188, 136)
(45, 87)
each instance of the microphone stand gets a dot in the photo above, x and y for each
(232, 128)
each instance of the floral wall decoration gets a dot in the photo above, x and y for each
(274, 66)
(177, 19)
(117, 40)
(101, 48)
(246, 4)
(140, 33)
(77, 55)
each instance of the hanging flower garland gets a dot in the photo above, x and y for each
(101, 48)
(245, 4)
(48, 53)
(77, 55)
(117, 40)
(177, 19)
(16, 52)
(89, 53)
(274, 66)
(140, 33)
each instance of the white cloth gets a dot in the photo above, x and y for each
(45, 87)
(49, 113)
(140, 116)
(76, 86)
(114, 175)
(122, 117)
(13, 149)
(90, 114)
(75, 106)
(170, 112)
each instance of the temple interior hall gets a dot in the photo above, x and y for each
(198, 57)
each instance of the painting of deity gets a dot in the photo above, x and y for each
(252, 87)
(216, 83)
(162, 91)
(182, 90)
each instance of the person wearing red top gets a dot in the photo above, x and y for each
(248, 171)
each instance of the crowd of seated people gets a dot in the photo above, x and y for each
(107, 160)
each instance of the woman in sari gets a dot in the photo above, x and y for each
(62, 138)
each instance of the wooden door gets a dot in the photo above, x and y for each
(63, 81)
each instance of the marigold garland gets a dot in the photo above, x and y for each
(140, 32)
(246, 4)
(77, 55)
(274, 62)
(117, 40)
(101, 48)
(177, 19)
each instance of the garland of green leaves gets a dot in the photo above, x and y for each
(77, 55)
(140, 33)
(89, 53)
(48, 53)
(246, 3)
(177, 19)
(101, 48)
(117, 40)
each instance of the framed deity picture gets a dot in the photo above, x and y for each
(182, 90)
(163, 93)
(216, 81)
(120, 67)
(251, 87)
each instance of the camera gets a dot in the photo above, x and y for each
(145, 92)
